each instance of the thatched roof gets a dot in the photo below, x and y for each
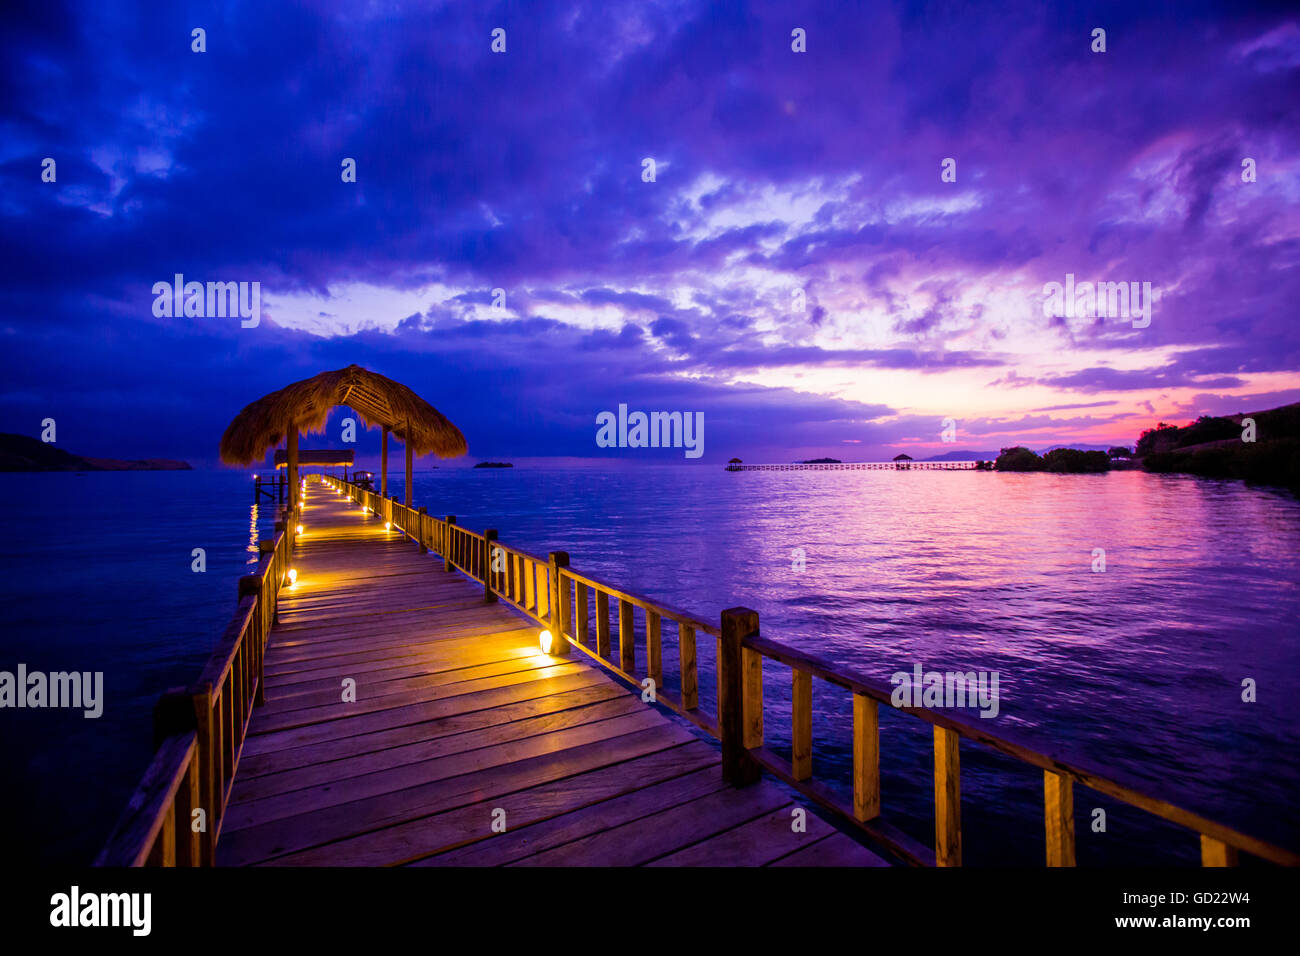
(377, 400)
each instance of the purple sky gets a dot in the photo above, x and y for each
(776, 171)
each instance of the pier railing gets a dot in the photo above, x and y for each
(174, 816)
(563, 600)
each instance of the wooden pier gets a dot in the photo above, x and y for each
(382, 698)
(460, 722)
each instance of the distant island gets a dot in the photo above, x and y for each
(1261, 447)
(23, 453)
(822, 461)
(494, 464)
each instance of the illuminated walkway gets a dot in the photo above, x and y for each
(463, 744)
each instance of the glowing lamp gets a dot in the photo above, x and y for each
(293, 576)
(388, 525)
(546, 640)
(299, 529)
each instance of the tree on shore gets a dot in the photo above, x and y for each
(1018, 459)
(1072, 461)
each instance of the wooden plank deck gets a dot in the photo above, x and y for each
(459, 716)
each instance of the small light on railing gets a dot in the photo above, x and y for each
(293, 576)
(299, 529)
(255, 477)
(546, 640)
(388, 525)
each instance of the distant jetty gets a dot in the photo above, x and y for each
(867, 466)
(23, 453)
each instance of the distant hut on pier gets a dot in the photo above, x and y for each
(305, 407)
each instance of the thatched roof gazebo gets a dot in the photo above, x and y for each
(306, 405)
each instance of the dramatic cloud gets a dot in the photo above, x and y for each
(797, 269)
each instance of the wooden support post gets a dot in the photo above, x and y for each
(801, 724)
(410, 465)
(602, 624)
(1058, 805)
(740, 717)
(252, 584)
(866, 757)
(446, 542)
(690, 675)
(582, 611)
(422, 522)
(201, 703)
(489, 543)
(174, 714)
(626, 638)
(556, 602)
(654, 654)
(292, 476)
(192, 840)
(1217, 853)
(947, 797)
(163, 853)
(541, 589)
(383, 465)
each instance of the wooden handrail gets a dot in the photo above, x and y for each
(146, 832)
(173, 817)
(1059, 774)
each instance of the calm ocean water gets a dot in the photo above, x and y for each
(1137, 669)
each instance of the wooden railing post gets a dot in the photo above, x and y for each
(446, 544)
(690, 675)
(602, 624)
(654, 654)
(201, 702)
(252, 584)
(177, 844)
(740, 711)
(866, 757)
(800, 724)
(421, 522)
(1058, 805)
(489, 539)
(626, 638)
(581, 613)
(559, 644)
(1217, 853)
(947, 797)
